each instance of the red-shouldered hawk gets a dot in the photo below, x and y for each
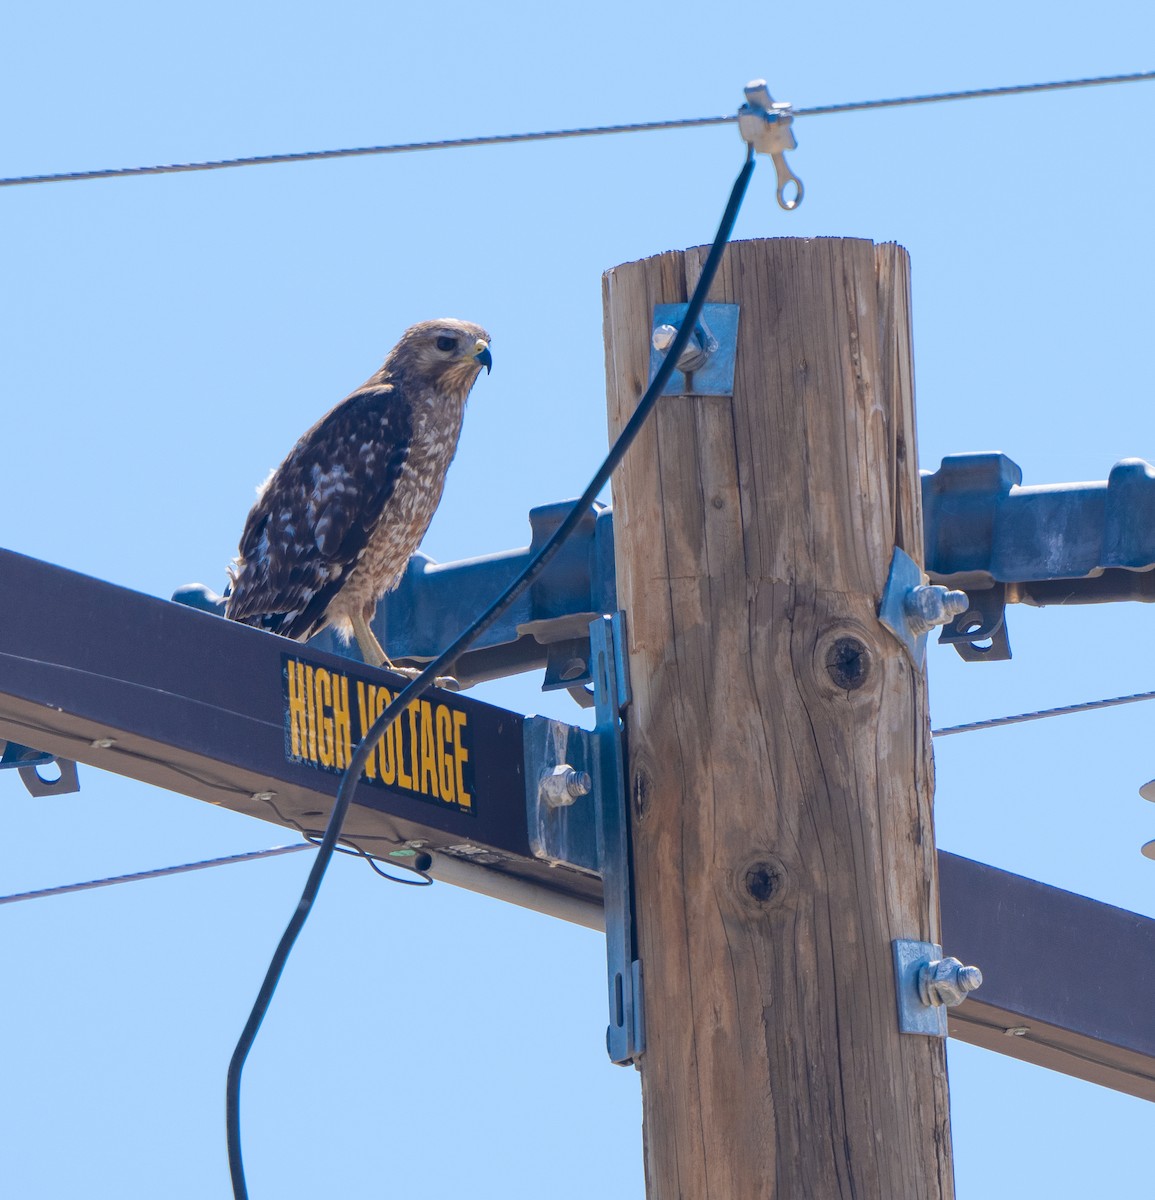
(335, 524)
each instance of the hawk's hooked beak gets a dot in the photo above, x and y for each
(483, 356)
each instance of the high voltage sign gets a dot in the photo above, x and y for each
(427, 753)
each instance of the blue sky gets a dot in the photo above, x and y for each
(165, 340)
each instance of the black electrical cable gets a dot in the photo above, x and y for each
(420, 861)
(439, 666)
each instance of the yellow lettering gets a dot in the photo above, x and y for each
(324, 693)
(366, 697)
(406, 778)
(461, 757)
(298, 724)
(445, 753)
(342, 733)
(311, 713)
(386, 744)
(428, 752)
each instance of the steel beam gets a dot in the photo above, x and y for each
(1067, 981)
(195, 704)
(177, 698)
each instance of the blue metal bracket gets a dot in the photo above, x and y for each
(1068, 543)
(577, 818)
(546, 627)
(1000, 542)
(16, 756)
(625, 1037)
(27, 762)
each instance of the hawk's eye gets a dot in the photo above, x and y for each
(446, 343)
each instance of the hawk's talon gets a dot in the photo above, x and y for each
(445, 682)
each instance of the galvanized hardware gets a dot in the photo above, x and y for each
(563, 785)
(36, 785)
(946, 982)
(1069, 543)
(926, 984)
(910, 607)
(695, 354)
(559, 763)
(625, 1037)
(765, 124)
(706, 366)
(929, 605)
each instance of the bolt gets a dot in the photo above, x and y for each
(265, 797)
(694, 354)
(1017, 1030)
(946, 981)
(563, 785)
(104, 743)
(931, 605)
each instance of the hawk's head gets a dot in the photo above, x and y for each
(446, 353)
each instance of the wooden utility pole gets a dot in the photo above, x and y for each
(780, 770)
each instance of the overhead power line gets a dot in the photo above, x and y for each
(1064, 710)
(501, 139)
(157, 873)
(253, 855)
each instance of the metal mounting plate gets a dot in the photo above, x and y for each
(567, 834)
(913, 1015)
(716, 378)
(905, 574)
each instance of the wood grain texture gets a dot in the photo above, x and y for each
(782, 823)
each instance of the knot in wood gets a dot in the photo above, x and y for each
(848, 663)
(762, 884)
(762, 881)
(640, 792)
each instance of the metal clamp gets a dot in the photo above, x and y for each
(765, 124)
(926, 985)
